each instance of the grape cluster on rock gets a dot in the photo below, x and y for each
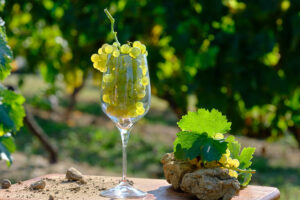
(125, 78)
(206, 183)
(225, 161)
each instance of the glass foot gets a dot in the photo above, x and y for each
(122, 191)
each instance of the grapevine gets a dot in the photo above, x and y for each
(11, 108)
(202, 143)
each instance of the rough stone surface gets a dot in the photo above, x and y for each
(206, 184)
(73, 175)
(5, 184)
(210, 184)
(38, 185)
(174, 170)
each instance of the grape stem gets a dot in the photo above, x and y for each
(112, 21)
(243, 170)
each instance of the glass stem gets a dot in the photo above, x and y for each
(125, 137)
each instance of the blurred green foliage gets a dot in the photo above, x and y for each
(240, 57)
(11, 108)
(99, 147)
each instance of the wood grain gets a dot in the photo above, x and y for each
(157, 189)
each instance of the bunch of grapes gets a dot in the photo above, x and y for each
(99, 59)
(125, 77)
(225, 161)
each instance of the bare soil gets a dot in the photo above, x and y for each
(27, 167)
(58, 187)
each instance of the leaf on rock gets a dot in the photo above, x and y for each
(244, 178)
(204, 121)
(245, 157)
(234, 147)
(189, 145)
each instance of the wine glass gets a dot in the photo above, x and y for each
(125, 98)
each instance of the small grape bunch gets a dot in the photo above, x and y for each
(122, 92)
(225, 161)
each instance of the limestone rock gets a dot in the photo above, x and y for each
(73, 174)
(174, 169)
(210, 184)
(205, 183)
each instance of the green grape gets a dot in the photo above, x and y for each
(103, 46)
(106, 98)
(95, 57)
(102, 57)
(125, 48)
(140, 110)
(143, 48)
(137, 44)
(141, 94)
(116, 53)
(219, 136)
(103, 68)
(227, 153)
(223, 160)
(100, 51)
(97, 65)
(100, 65)
(108, 78)
(139, 105)
(108, 49)
(135, 52)
(110, 110)
(144, 69)
(132, 113)
(121, 112)
(145, 81)
(233, 173)
(116, 44)
(235, 163)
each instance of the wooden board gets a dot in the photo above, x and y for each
(157, 189)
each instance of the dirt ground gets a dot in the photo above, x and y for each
(27, 167)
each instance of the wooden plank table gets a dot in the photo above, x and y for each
(158, 189)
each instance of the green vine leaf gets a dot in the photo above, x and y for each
(11, 104)
(245, 157)
(11, 110)
(7, 147)
(244, 178)
(189, 145)
(233, 146)
(5, 53)
(204, 121)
